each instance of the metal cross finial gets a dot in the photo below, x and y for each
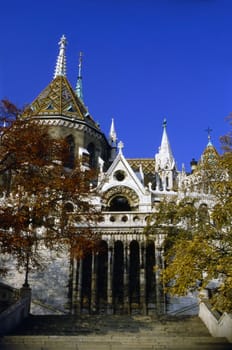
(63, 41)
(209, 130)
(165, 123)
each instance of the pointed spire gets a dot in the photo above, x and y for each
(79, 91)
(60, 69)
(164, 157)
(112, 134)
(165, 147)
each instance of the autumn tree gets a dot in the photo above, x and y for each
(43, 203)
(197, 240)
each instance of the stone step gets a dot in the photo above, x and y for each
(112, 333)
(84, 325)
(67, 345)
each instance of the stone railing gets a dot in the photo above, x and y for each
(123, 219)
(217, 324)
(14, 314)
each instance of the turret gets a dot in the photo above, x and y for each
(165, 166)
(210, 153)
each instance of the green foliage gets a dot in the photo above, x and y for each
(44, 203)
(197, 240)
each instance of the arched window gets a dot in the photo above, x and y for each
(203, 214)
(69, 161)
(167, 182)
(91, 150)
(68, 207)
(119, 203)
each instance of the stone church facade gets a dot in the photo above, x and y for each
(122, 277)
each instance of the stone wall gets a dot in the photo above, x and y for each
(217, 324)
(14, 314)
(49, 285)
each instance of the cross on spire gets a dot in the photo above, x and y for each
(120, 146)
(209, 131)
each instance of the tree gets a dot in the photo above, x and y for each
(197, 239)
(44, 203)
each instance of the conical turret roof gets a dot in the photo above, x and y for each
(58, 99)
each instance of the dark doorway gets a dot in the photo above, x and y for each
(102, 260)
(118, 269)
(150, 279)
(86, 282)
(134, 292)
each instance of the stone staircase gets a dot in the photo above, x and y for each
(111, 333)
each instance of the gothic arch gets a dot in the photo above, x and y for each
(121, 191)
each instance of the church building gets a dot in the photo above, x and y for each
(122, 277)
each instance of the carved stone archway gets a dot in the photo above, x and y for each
(122, 191)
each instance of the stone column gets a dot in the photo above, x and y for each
(142, 276)
(126, 279)
(110, 280)
(25, 293)
(160, 296)
(79, 287)
(93, 285)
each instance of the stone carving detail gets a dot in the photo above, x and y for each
(122, 191)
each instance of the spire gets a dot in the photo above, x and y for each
(112, 134)
(79, 91)
(165, 148)
(210, 153)
(164, 157)
(113, 141)
(165, 165)
(61, 59)
(208, 130)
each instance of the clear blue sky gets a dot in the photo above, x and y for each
(143, 60)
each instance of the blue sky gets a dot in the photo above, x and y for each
(143, 60)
